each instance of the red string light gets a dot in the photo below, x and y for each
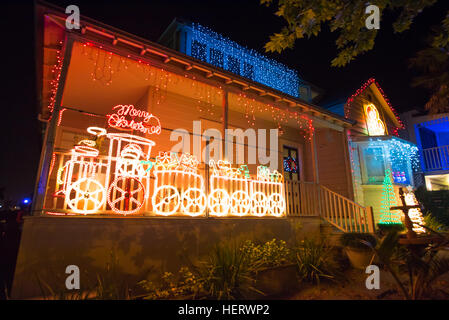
(360, 90)
(56, 71)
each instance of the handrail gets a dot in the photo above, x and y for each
(312, 199)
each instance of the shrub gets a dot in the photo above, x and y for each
(184, 283)
(433, 223)
(356, 240)
(228, 273)
(316, 261)
(273, 253)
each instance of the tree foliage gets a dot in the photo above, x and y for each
(305, 18)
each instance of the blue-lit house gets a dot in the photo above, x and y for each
(431, 134)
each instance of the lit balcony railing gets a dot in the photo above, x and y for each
(435, 159)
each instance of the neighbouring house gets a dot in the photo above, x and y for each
(138, 159)
(375, 148)
(431, 134)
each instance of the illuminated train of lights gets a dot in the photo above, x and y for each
(130, 182)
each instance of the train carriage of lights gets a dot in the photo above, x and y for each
(129, 181)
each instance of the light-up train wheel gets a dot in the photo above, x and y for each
(166, 200)
(85, 196)
(259, 204)
(240, 203)
(126, 195)
(219, 203)
(193, 202)
(276, 204)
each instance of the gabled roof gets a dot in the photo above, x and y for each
(380, 95)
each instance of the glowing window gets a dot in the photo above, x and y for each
(376, 126)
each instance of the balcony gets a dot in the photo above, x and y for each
(436, 159)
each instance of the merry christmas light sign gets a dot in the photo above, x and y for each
(126, 117)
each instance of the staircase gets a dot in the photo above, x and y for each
(306, 199)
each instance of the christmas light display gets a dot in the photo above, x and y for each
(376, 126)
(400, 155)
(388, 200)
(178, 184)
(222, 52)
(360, 90)
(233, 193)
(54, 83)
(415, 214)
(107, 64)
(279, 116)
(125, 118)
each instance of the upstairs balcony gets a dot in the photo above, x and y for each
(435, 159)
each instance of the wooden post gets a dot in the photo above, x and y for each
(371, 225)
(50, 135)
(225, 122)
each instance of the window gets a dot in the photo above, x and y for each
(216, 57)
(248, 70)
(199, 50)
(233, 65)
(374, 165)
(291, 163)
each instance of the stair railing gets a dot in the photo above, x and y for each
(306, 199)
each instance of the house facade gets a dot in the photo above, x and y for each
(377, 153)
(152, 152)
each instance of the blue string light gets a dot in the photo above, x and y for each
(211, 47)
(400, 154)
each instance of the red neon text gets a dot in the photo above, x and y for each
(121, 119)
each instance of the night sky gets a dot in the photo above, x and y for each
(245, 21)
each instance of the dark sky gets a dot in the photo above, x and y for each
(244, 21)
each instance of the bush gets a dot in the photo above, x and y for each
(184, 283)
(433, 223)
(356, 240)
(273, 253)
(228, 273)
(316, 261)
(436, 204)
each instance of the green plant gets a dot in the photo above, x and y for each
(182, 284)
(58, 291)
(357, 240)
(315, 261)
(384, 228)
(421, 267)
(433, 223)
(270, 254)
(227, 273)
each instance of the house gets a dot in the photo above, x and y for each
(431, 134)
(153, 153)
(375, 148)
